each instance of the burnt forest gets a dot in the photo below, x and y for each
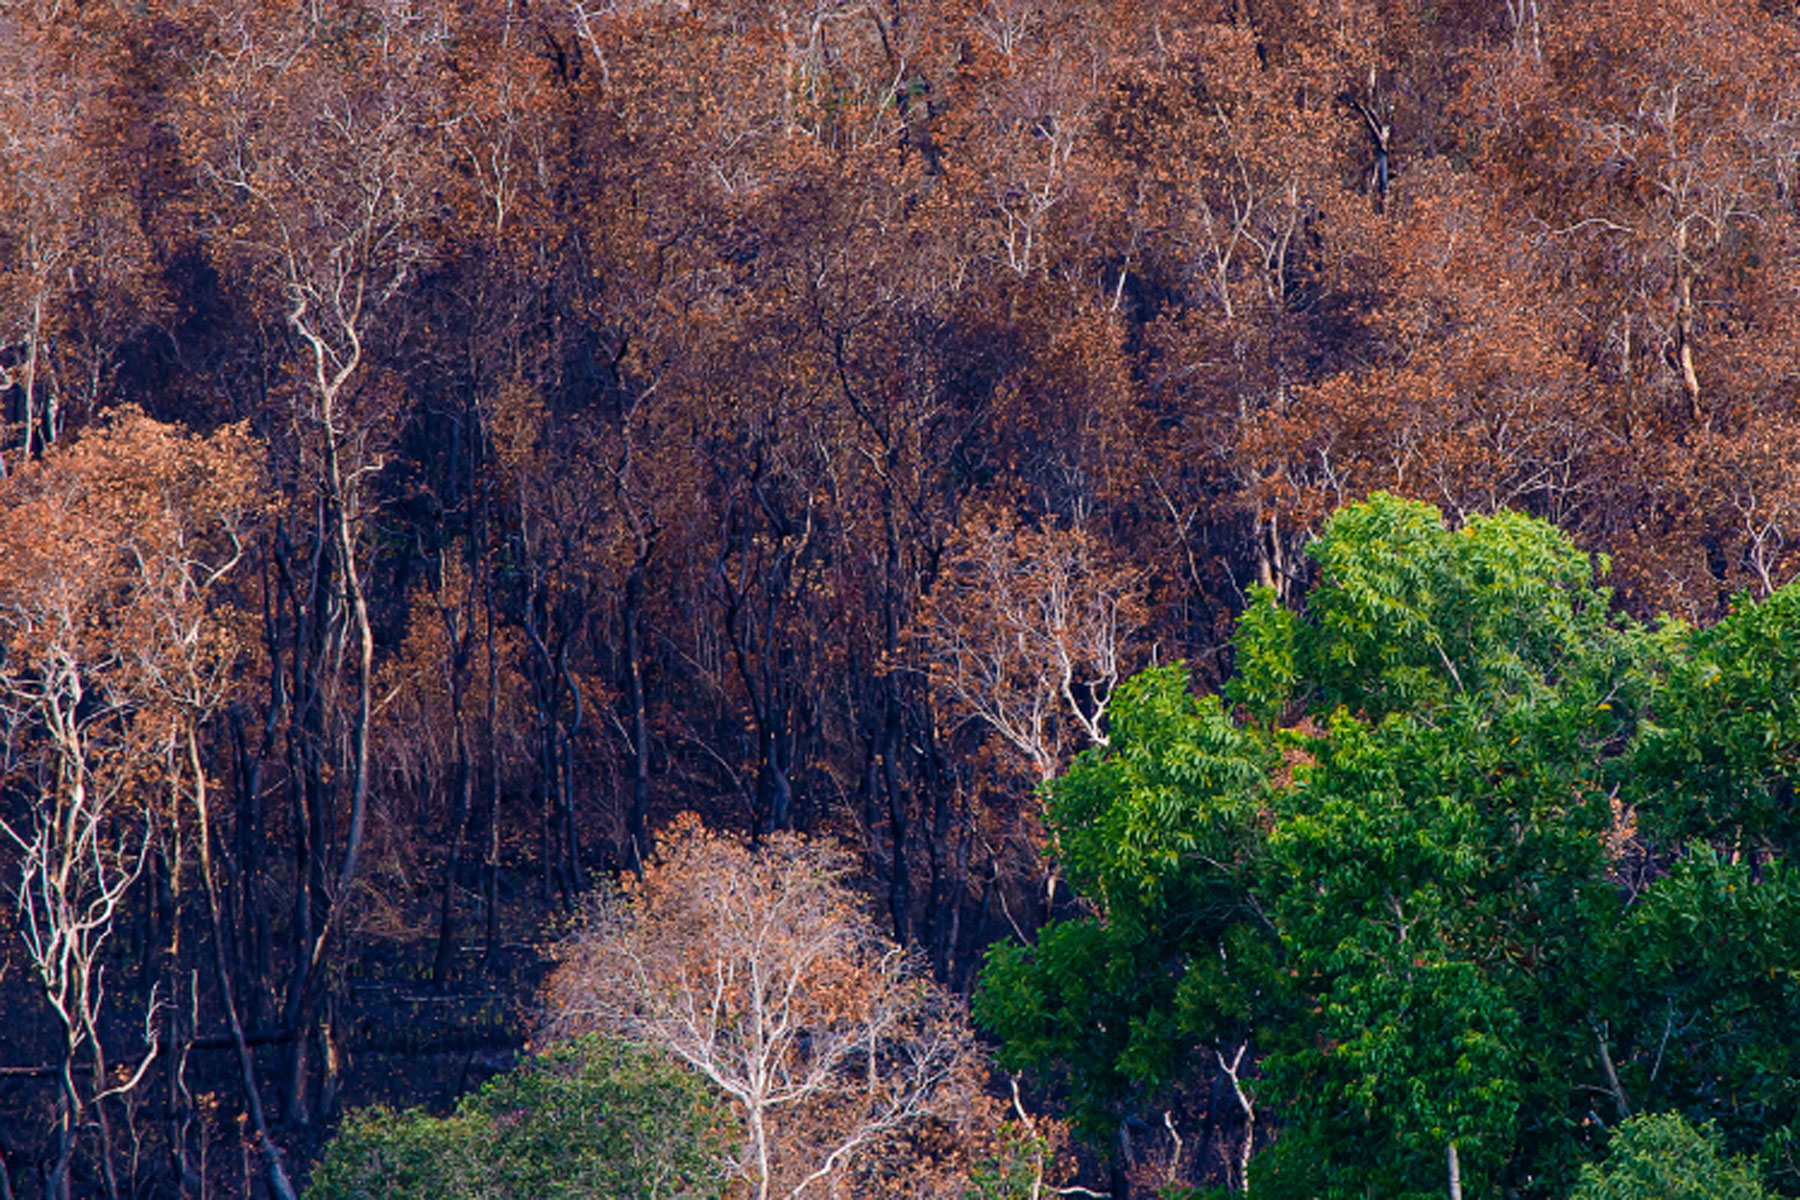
(899, 599)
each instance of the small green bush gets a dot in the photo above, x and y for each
(1662, 1157)
(591, 1119)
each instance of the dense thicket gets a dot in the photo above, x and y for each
(544, 418)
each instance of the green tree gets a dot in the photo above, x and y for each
(1436, 869)
(1160, 830)
(1662, 1157)
(591, 1119)
(1412, 899)
(1701, 984)
(1720, 758)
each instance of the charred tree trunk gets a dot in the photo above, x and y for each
(273, 1165)
(463, 794)
(491, 863)
(637, 827)
(899, 824)
(572, 865)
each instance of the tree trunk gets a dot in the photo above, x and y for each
(637, 822)
(759, 1144)
(1684, 325)
(491, 865)
(577, 876)
(58, 1185)
(279, 1184)
(900, 880)
(459, 817)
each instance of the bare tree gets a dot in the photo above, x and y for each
(761, 972)
(81, 847)
(313, 127)
(74, 271)
(1026, 631)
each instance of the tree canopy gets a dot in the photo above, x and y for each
(1477, 866)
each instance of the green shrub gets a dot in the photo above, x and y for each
(1662, 1157)
(593, 1118)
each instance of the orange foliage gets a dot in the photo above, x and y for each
(855, 1075)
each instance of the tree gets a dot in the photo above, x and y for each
(758, 970)
(108, 549)
(75, 277)
(427, 733)
(1664, 1157)
(1438, 876)
(1406, 900)
(744, 388)
(310, 132)
(1028, 632)
(1721, 761)
(1159, 832)
(591, 1119)
(1651, 147)
(68, 705)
